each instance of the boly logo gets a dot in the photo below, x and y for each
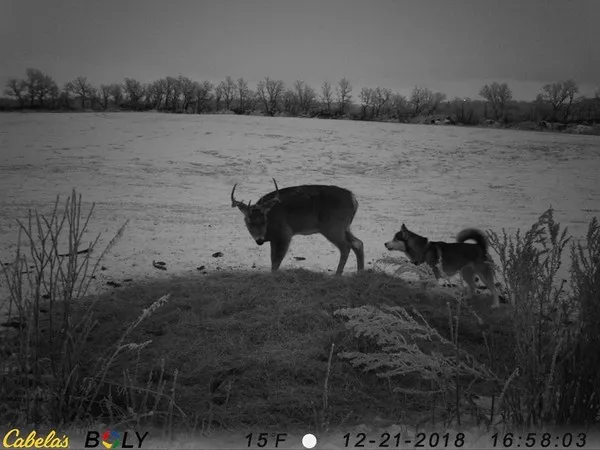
(114, 439)
(111, 439)
(12, 439)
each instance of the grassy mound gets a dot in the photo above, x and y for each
(252, 348)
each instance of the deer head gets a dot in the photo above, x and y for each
(255, 216)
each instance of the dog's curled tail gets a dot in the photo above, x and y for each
(477, 235)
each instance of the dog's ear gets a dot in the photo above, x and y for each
(403, 227)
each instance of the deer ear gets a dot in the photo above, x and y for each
(266, 207)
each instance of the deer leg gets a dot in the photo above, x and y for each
(344, 253)
(358, 249)
(279, 249)
(340, 241)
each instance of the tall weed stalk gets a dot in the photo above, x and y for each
(544, 317)
(52, 269)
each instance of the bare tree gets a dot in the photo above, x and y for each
(169, 92)
(47, 89)
(419, 100)
(560, 95)
(344, 94)
(305, 95)
(251, 101)
(160, 90)
(186, 87)
(269, 92)
(423, 101)
(462, 109)
(93, 96)
(594, 113)
(116, 92)
(381, 96)
(80, 87)
(175, 93)
(32, 81)
(275, 89)
(147, 104)
(134, 91)
(434, 102)
(218, 96)
(38, 85)
(104, 95)
(155, 93)
(202, 92)
(54, 95)
(366, 101)
(290, 102)
(16, 88)
(498, 95)
(228, 89)
(327, 95)
(399, 105)
(581, 108)
(242, 93)
(66, 95)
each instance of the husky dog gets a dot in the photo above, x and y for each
(450, 257)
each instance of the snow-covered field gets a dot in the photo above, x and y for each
(172, 175)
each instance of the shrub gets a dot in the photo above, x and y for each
(44, 374)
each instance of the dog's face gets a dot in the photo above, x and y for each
(397, 243)
(400, 242)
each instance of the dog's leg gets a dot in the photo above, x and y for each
(487, 276)
(468, 275)
(438, 270)
(440, 276)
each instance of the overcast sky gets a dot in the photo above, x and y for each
(453, 46)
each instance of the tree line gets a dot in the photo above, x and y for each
(557, 102)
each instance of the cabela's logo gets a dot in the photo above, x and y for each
(13, 439)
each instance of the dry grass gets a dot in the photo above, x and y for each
(253, 348)
(46, 376)
(552, 326)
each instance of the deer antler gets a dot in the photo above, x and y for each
(269, 204)
(277, 190)
(241, 205)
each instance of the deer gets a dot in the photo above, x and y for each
(303, 210)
